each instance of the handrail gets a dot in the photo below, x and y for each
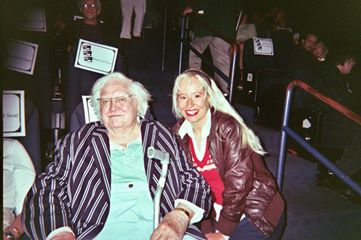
(287, 130)
(234, 52)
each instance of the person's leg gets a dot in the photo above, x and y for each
(246, 231)
(127, 12)
(350, 160)
(139, 9)
(221, 59)
(200, 44)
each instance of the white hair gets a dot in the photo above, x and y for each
(219, 103)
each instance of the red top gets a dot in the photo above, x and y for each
(209, 171)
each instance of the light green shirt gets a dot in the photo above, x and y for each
(131, 206)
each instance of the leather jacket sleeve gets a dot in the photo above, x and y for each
(236, 169)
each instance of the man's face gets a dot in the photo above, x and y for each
(346, 68)
(90, 10)
(320, 51)
(310, 42)
(118, 108)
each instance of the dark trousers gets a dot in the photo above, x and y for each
(247, 231)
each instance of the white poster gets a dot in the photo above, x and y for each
(13, 113)
(263, 46)
(95, 57)
(88, 110)
(20, 56)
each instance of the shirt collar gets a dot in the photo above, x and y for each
(114, 146)
(186, 127)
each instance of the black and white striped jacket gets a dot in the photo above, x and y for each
(74, 190)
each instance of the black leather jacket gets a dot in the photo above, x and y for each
(249, 188)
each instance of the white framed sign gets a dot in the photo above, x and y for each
(13, 113)
(33, 19)
(77, 17)
(20, 56)
(88, 110)
(95, 57)
(263, 46)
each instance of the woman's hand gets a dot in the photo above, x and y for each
(215, 236)
(172, 227)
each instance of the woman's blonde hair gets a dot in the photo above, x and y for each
(219, 103)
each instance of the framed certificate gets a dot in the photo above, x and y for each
(95, 57)
(20, 56)
(33, 19)
(13, 113)
(88, 110)
(263, 46)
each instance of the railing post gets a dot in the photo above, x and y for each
(182, 39)
(282, 147)
(164, 33)
(233, 72)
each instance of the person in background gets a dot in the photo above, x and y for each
(246, 30)
(222, 19)
(101, 183)
(310, 41)
(18, 176)
(320, 52)
(247, 203)
(340, 135)
(138, 7)
(78, 81)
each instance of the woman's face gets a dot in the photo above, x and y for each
(193, 101)
(118, 109)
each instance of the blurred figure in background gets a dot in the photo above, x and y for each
(129, 7)
(18, 176)
(78, 81)
(320, 51)
(340, 135)
(222, 19)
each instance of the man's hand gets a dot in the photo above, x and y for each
(215, 236)
(64, 235)
(15, 228)
(172, 227)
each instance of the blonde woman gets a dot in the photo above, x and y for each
(246, 201)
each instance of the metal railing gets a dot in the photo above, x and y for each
(185, 42)
(294, 135)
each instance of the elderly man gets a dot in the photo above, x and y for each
(101, 183)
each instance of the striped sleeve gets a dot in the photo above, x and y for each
(47, 205)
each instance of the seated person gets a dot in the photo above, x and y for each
(339, 132)
(78, 81)
(101, 184)
(247, 203)
(300, 59)
(320, 52)
(18, 176)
